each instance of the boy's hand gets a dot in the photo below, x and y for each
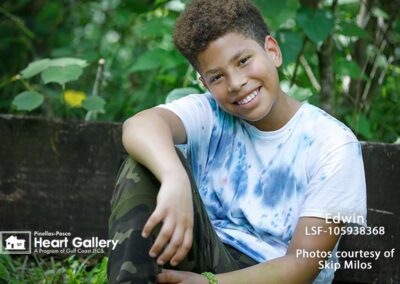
(182, 277)
(175, 210)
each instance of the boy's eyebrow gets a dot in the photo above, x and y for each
(234, 58)
(237, 55)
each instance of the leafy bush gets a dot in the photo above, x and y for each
(59, 71)
(340, 55)
(71, 270)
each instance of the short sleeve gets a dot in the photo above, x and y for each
(336, 188)
(196, 115)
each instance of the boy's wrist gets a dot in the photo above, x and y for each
(211, 278)
(175, 175)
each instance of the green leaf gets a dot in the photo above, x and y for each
(290, 43)
(28, 100)
(4, 274)
(172, 59)
(175, 5)
(180, 93)
(286, 17)
(48, 20)
(344, 67)
(364, 127)
(61, 75)
(316, 24)
(381, 61)
(300, 94)
(272, 8)
(35, 68)
(157, 58)
(379, 13)
(351, 29)
(149, 60)
(137, 6)
(156, 27)
(94, 103)
(277, 12)
(360, 125)
(66, 61)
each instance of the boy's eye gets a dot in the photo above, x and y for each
(215, 78)
(244, 60)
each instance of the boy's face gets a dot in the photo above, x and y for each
(241, 75)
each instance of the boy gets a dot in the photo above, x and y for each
(268, 169)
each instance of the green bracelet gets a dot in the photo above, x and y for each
(212, 279)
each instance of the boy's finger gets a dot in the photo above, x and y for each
(168, 276)
(173, 245)
(153, 220)
(184, 248)
(163, 237)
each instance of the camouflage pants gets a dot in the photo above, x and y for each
(133, 201)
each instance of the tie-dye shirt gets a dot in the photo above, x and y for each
(255, 185)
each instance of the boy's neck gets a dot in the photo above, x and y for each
(283, 109)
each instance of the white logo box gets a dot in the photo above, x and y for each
(15, 242)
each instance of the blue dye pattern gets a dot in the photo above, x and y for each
(215, 204)
(241, 246)
(288, 234)
(221, 223)
(240, 175)
(271, 240)
(307, 140)
(214, 139)
(239, 217)
(259, 187)
(230, 159)
(258, 191)
(281, 184)
(213, 104)
(221, 143)
(287, 218)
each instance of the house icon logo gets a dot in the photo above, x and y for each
(15, 242)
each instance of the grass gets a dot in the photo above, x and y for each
(48, 270)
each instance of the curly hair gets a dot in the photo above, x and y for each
(204, 21)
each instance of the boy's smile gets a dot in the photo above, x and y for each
(242, 77)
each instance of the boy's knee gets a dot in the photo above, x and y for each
(137, 172)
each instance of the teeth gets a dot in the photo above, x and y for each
(248, 98)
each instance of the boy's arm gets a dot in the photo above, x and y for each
(149, 138)
(291, 268)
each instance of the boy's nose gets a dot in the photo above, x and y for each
(236, 82)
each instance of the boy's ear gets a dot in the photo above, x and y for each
(271, 47)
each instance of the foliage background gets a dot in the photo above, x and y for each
(342, 55)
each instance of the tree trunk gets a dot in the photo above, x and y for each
(325, 67)
(326, 75)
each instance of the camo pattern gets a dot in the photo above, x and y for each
(133, 201)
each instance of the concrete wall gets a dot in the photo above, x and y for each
(57, 175)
